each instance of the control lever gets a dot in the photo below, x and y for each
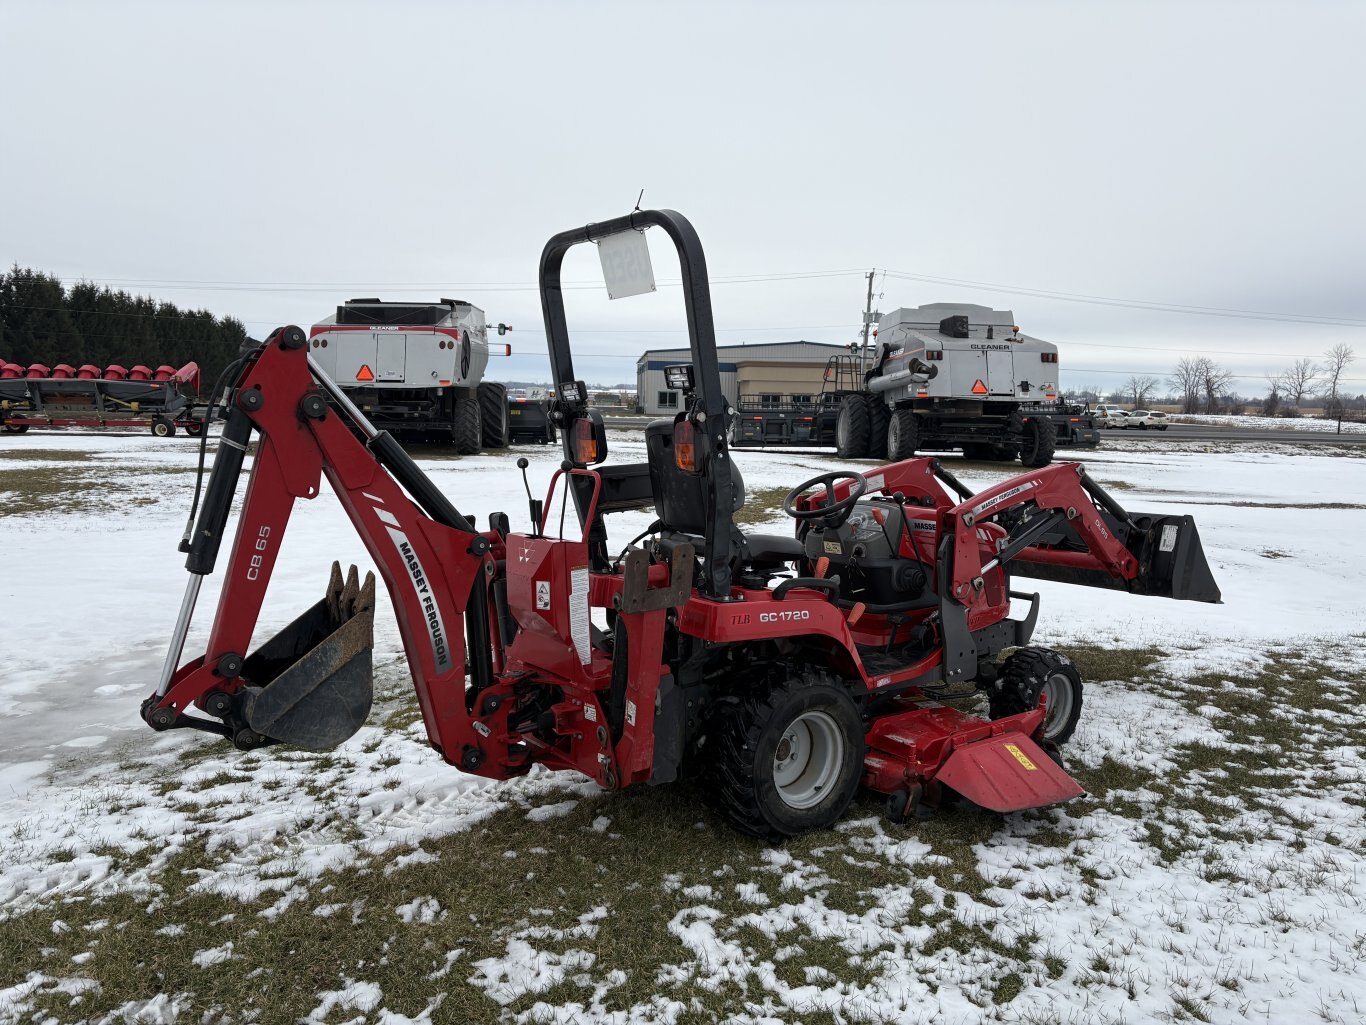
(534, 505)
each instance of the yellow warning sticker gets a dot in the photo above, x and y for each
(1022, 758)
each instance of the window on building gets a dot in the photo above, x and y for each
(667, 400)
(770, 401)
(802, 400)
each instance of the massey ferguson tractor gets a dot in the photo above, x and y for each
(781, 671)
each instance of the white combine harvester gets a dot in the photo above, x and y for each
(416, 369)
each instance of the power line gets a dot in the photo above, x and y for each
(1140, 304)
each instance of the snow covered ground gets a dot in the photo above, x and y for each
(1216, 872)
(1297, 423)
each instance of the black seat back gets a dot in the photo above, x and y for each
(680, 497)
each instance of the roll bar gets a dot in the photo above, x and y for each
(707, 407)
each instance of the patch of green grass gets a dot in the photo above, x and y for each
(762, 505)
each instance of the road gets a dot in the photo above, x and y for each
(1185, 433)
(1197, 433)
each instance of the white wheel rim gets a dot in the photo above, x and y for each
(1058, 691)
(808, 758)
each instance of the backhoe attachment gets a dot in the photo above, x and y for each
(311, 684)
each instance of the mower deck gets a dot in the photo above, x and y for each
(993, 764)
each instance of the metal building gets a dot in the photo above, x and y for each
(771, 373)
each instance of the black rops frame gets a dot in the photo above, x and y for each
(707, 407)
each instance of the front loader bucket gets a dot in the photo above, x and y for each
(1170, 557)
(311, 684)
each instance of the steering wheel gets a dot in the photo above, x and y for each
(834, 513)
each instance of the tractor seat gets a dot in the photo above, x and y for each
(681, 504)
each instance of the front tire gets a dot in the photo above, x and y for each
(788, 758)
(1031, 672)
(851, 428)
(903, 435)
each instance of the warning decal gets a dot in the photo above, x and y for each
(365, 373)
(578, 613)
(1022, 758)
(543, 594)
(979, 388)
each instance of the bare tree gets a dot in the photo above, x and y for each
(1271, 405)
(1139, 388)
(1298, 379)
(1214, 382)
(1187, 379)
(1335, 361)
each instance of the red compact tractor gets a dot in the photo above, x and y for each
(780, 671)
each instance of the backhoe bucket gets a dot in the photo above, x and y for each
(311, 684)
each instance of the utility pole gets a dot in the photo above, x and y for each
(867, 319)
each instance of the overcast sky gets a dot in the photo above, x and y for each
(269, 160)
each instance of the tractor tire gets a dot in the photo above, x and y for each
(493, 413)
(466, 429)
(878, 416)
(162, 427)
(1030, 672)
(1038, 441)
(851, 428)
(903, 435)
(786, 759)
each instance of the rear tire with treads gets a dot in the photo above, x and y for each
(878, 417)
(787, 758)
(493, 414)
(466, 428)
(851, 428)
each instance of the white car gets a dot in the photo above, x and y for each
(1111, 417)
(1146, 420)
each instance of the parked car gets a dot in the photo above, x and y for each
(1110, 417)
(1144, 419)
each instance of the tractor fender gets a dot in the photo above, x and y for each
(802, 614)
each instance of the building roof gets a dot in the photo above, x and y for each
(803, 351)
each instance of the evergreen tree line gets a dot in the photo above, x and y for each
(41, 321)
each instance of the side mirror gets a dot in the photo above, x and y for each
(588, 435)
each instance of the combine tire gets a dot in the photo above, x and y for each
(878, 416)
(1034, 671)
(1038, 440)
(466, 430)
(788, 759)
(493, 413)
(851, 428)
(162, 427)
(903, 435)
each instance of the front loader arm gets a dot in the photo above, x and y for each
(1060, 524)
(432, 561)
